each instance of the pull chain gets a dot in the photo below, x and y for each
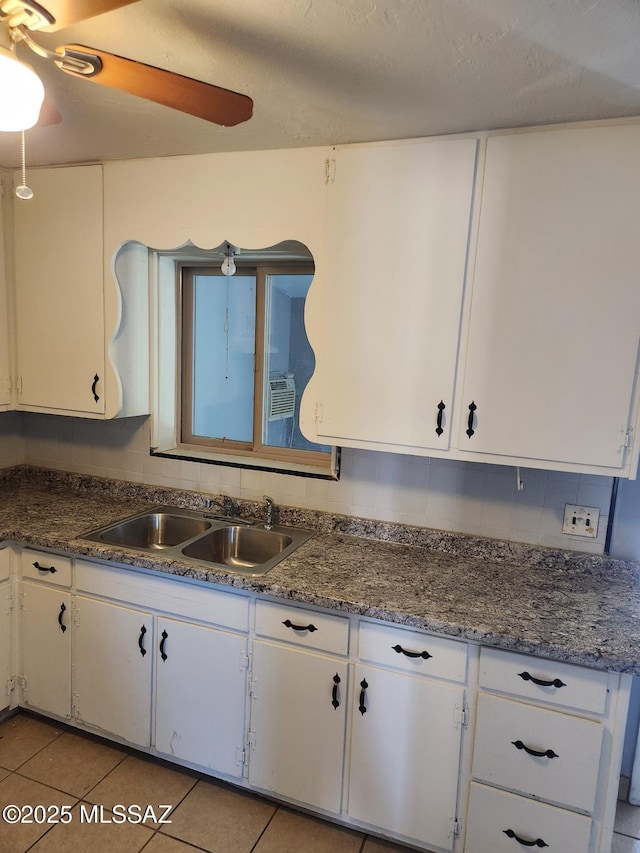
(23, 191)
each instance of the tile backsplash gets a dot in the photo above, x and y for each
(465, 497)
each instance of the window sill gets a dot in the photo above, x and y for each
(250, 463)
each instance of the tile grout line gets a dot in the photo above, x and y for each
(264, 829)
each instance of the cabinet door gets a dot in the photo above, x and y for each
(6, 607)
(553, 341)
(201, 695)
(46, 648)
(59, 291)
(385, 318)
(298, 724)
(405, 754)
(112, 669)
(5, 362)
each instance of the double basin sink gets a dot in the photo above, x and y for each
(242, 546)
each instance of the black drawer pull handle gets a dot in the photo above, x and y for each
(163, 654)
(63, 627)
(441, 408)
(472, 409)
(96, 379)
(334, 692)
(537, 843)
(526, 676)
(425, 655)
(143, 631)
(51, 569)
(289, 624)
(363, 695)
(547, 753)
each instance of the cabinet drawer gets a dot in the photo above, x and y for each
(5, 563)
(304, 627)
(40, 565)
(496, 820)
(543, 680)
(413, 651)
(568, 776)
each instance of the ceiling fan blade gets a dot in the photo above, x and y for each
(204, 100)
(67, 12)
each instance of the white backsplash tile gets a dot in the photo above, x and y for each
(466, 497)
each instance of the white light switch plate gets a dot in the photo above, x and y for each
(581, 520)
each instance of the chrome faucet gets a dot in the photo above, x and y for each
(270, 513)
(227, 505)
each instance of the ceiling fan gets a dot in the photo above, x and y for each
(21, 18)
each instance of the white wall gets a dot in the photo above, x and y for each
(12, 445)
(465, 497)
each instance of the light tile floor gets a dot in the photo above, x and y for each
(45, 764)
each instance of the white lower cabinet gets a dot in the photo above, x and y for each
(6, 605)
(112, 669)
(409, 715)
(297, 725)
(405, 750)
(538, 752)
(298, 705)
(546, 756)
(419, 737)
(46, 648)
(499, 822)
(6, 629)
(201, 676)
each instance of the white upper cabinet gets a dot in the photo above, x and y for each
(384, 316)
(59, 292)
(5, 362)
(82, 346)
(554, 321)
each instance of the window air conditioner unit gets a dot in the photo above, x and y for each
(281, 396)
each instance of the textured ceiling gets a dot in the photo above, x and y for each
(323, 72)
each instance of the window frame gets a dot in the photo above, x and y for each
(322, 461)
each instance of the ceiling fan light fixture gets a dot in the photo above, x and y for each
(21, 93)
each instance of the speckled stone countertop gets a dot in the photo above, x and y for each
(572, 607)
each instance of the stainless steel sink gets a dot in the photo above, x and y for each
(154, 530)
(248, 548)
(239, 547)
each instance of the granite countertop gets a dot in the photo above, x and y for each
(573, 607)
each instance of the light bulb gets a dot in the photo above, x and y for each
(228, 265)
(21, 93)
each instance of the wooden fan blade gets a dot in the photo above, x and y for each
(204, 100)
(67, 12)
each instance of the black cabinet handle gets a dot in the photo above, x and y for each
(526, 676)
(470, 429)
(163, 654)
(537, 843)
(289, 624)
(63, 627)
(547, 753)
(363, 695)
(334, 693)
(143, 631)
(441, 408)
(51, 569)
(411, 654)
(96, 379)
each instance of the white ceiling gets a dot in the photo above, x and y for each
(322, 72)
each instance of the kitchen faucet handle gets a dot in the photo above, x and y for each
(270, 512)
